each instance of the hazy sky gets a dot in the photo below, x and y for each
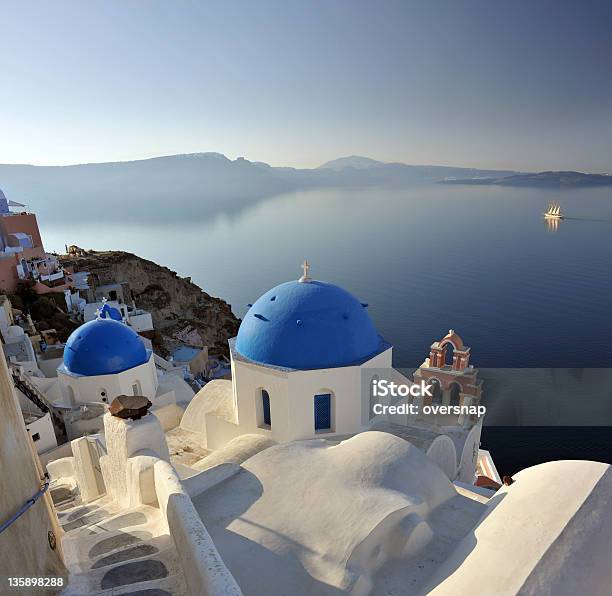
(521, 84)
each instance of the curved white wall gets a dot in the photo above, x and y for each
(466, 471)
(89, 389)
(442, 451)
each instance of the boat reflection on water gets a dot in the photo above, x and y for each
(552, 225)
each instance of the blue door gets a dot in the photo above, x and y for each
(265, 403)
(322, 411)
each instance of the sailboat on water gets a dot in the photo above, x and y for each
(553, 211)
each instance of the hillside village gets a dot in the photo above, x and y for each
(48, 296)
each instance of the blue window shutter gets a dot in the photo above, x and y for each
(322, 411)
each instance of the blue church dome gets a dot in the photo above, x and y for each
(103, 347)
(308, 325)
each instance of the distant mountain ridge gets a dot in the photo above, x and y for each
(352, 161)
(188, 187)
(194, 185)
(542, 180)
(358, 162)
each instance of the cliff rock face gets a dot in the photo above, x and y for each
(180, 309)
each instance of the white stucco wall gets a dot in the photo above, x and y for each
(219, 432)
(204, 571)
(125, 439)
(18, 344)
(215, 396)
(312, 518)
(442, 451)
(547, 533)
(292, 399)
(141, 322)
(85, 461)
(43, 428)
(61, 471)
(344, 386)
(59, 452)
(168, 415)
(89, 388)
(24, 546)
(172, 383)
(248, 381)
(466, 470)
(49, 367)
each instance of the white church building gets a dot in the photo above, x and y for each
(297, 366)
(104, 358)
(302, 365)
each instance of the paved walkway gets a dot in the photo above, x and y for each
(110, 552)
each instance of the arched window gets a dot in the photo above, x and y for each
(449, 352)
(455, 398)
(323, 412)
(136, 388)
(436, 391)
(265, 408)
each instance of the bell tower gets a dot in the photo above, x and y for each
(448, 366)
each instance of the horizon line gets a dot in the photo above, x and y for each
(240, 158)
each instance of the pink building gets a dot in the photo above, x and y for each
(22, 254)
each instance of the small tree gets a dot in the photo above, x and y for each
(26, 293)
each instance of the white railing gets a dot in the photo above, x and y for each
(204, 569)
(52, 276)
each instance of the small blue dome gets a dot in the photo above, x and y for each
(103, 347)
(308, 326)
(110, 312)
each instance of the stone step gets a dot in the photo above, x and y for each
(137, 574)
(102, 520)
(84, 518)
(101, 554)
(110, 551)
(64, 496)
(173, 585)
(78, 507)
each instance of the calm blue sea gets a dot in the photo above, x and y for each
(479, 260)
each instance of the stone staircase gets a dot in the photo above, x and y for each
(109, 551)
(32, 393)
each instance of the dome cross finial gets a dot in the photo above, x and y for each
(306, 268)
